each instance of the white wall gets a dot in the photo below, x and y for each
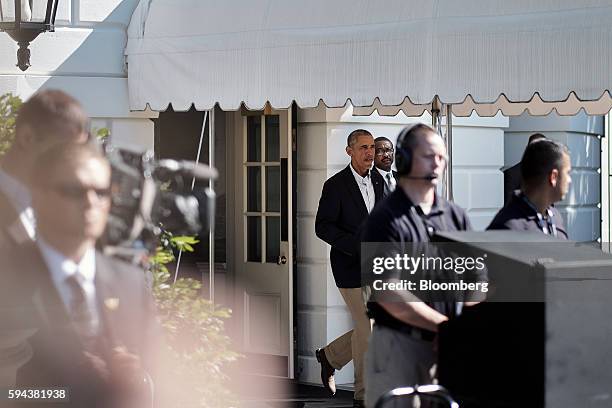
(478, 155)
(478, 184)
(606, 180)
(581, 208)
(321, 314)
(84, 57)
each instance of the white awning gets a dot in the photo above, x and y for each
(482, 55)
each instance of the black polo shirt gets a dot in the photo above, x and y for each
(398, 220)
(519, 215)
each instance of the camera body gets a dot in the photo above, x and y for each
(150, 196)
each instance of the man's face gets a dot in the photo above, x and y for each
(384, 155)
(362, 153)
(563, 179)
(74, 201)
(429, 158)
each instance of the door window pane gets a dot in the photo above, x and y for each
(253, 239)
(253, 138)
(254, 188)
(273, 188)
(272, 239)
(272, 138)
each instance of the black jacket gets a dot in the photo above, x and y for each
(31, 305)
(403, 228)
(395, 176)
(339, 220)
(517, 215)
(12, 231)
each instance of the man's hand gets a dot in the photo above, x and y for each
(123, 375)
(97, 365)
(128, 380)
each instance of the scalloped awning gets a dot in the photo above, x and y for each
(479, 55)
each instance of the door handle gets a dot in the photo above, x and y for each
(282, 259)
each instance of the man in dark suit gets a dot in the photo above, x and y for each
(47, 118)
(512, 175)
(383, 160)
(90, 319)
(346, 200)
(545, 169)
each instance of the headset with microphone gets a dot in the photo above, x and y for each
(404, 154)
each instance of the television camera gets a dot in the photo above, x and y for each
(150, 196)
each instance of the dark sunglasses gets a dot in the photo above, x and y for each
(80, 192)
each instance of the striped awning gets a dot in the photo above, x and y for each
(483, 56)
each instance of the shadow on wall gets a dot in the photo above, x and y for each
(95, 71)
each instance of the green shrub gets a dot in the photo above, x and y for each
(9, 105)
(194, 331)
(193, 326)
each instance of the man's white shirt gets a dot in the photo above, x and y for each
(366, 187)
(61, 268)
(20, 197)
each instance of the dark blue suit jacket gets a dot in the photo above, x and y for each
(340, 217)
(518, 216)
(30, 301)
(395, 176)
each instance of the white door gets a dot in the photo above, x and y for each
(263, 301)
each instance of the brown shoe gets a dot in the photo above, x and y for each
(327, 372)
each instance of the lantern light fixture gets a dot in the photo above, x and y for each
(23, 20)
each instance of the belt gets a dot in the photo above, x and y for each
(414, 332)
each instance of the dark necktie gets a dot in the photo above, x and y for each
(388, 184)
(83, 317)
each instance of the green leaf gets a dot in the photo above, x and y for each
(195, 333)
(100, 133)
(9, 106)
(185, 239)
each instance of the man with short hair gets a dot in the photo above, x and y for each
(383, 160)
(545, 169)
(512, 175)
(93, 320)
(401, 350)
(47, 118)
(346, 200)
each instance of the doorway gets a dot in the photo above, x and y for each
(263, 240)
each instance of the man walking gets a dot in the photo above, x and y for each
(383, 160)
(346, 200)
